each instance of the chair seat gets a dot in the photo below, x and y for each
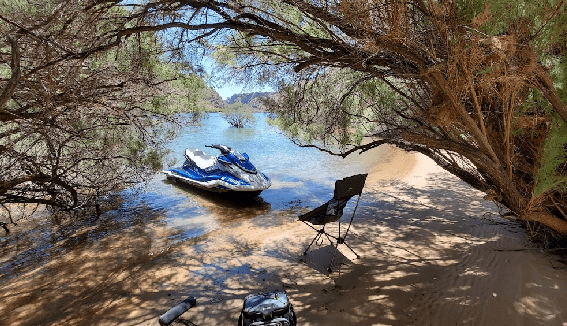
(329, 212)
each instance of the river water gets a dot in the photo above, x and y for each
(301, 178)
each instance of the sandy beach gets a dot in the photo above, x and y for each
(432, 252)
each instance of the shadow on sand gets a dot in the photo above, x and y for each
(429, 256)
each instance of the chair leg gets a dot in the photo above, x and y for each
(317, 237)
(354, 252)
(329, 269)
(340, 240)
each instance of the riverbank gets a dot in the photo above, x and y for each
(433, 252)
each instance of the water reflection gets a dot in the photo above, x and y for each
(225, 208)
(240, 134)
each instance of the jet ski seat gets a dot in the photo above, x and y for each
(201, 159)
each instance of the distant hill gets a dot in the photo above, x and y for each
(214, 98)
(253, 100)
(246, 98)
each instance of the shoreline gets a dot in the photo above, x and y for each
(399, 165)
(432, 252)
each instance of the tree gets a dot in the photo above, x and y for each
(238, 115)
(481, 106)
(84, 110)
(472, 92)
(471, 85)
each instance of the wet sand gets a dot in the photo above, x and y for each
(432, 252)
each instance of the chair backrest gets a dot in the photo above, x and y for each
(350, 186)
(344, 190)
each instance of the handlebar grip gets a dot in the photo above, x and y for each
(177, 311)
(223, 148)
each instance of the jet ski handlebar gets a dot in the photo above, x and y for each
(223, 148)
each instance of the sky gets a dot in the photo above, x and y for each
(229, 90)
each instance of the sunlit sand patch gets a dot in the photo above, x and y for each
(474, 271)
(537, 306)
(534, 285)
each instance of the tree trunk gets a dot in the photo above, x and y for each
(547, 219)
(544, 84)
(16, 71)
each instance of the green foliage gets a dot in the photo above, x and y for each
(238, 115)
(337, 108)
(179, 89)
(548, 18)
(554, 155)
(547, 24)
(141, 155)
(559, 74)
(154, 159)
(189, 92)
(88, 124)
(19, 6)
(248, 57)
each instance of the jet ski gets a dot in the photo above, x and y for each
(229, 172)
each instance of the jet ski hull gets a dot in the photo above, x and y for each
(230, 172)
(213, 184)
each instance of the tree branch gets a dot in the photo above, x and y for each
(16, 72)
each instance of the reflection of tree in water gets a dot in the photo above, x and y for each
(239, 134)
(48, 236)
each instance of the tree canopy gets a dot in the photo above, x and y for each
(478, 87)
(475, 86)
(82, 113)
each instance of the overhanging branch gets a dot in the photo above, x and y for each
(16, 72)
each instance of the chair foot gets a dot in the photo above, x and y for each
(357, 256)
(330, 270)
(305, 253)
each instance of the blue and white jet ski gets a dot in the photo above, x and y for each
(231, 171)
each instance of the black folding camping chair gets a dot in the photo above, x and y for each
(332, 211)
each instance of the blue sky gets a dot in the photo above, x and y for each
(229, 90)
